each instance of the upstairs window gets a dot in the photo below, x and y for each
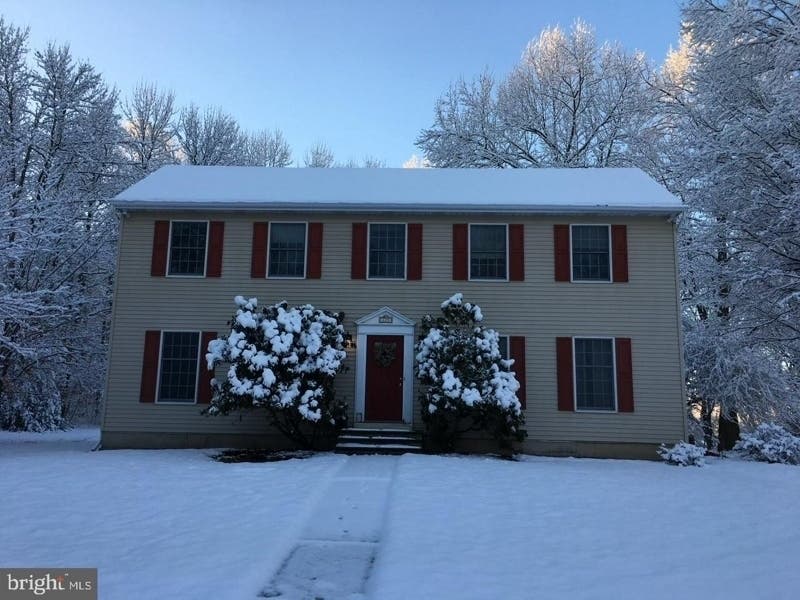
(187, 248)
(179, 356)
(387, 251)
(488, 256)
(287, 250)
(594, 374)
(591, 256)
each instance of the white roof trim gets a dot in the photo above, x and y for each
(380, 316)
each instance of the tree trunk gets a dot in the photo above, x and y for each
(728, 431)
(708, 425)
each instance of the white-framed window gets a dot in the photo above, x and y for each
(488, 251)
(188, 246)
(287, 250)
(386, 256)
(595, 374)
(590, 253)
(178, 367)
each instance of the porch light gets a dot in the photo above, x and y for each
(348, 341)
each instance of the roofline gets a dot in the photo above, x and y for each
(397, 207)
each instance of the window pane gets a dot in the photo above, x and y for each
(590, 253)
(503, 347)
(487, 251)
(178, 366)
(287, 250)
(594, 374)
(187, 248)
(387, 251)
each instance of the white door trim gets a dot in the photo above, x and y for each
(384, 321)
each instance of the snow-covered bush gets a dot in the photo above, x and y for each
(770, 443)
(468, 386)
(682, 454)
(283, 359)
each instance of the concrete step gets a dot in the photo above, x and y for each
(383, 440)
(354, 448)
(379, 439)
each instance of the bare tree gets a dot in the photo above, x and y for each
(265, 149)
(318, 156)
(150, 115)
(209, 137)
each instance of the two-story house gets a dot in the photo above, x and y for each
(576, 268)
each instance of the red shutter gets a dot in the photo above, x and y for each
(314, 268)
(358, 256)
(619, 245)
(516, 252)
(158, 263)
(152, 347)
(205, 376)
(258, 256)
(561, 250)
(624, 375)
(414, 254)
(216, 236)
(516, 348)
(566, 400)
(460, 255)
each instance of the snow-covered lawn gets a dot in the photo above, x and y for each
(175, 524)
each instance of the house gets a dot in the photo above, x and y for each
(575, 268)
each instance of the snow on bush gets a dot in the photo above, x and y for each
(468, 385)
(770, 443)
(683, 454)
(283, 359)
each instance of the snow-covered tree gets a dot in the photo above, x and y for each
(60, 161)
(283, 359)
(208, 137)
(468, 386)
(265, 149)
(149, 121)
(570, 102)
(731, 150)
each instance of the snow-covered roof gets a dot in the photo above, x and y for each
(401, 190)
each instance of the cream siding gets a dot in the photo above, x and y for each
(538, 308)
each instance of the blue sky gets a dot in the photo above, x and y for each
(361, 76)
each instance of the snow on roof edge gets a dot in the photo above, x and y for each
(544, 190)
(422, 207)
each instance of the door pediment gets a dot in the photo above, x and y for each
(385, 316)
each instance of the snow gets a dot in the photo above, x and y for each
(430, 190)
(177, 524)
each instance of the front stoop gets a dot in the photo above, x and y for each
(378, 440)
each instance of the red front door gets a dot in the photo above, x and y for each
(384, 393)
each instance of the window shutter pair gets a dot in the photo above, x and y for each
(565, 370)
(619, 253)
(216, 237)
(359, 251)
(152, 348)
(258, 255)
(516, 252)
